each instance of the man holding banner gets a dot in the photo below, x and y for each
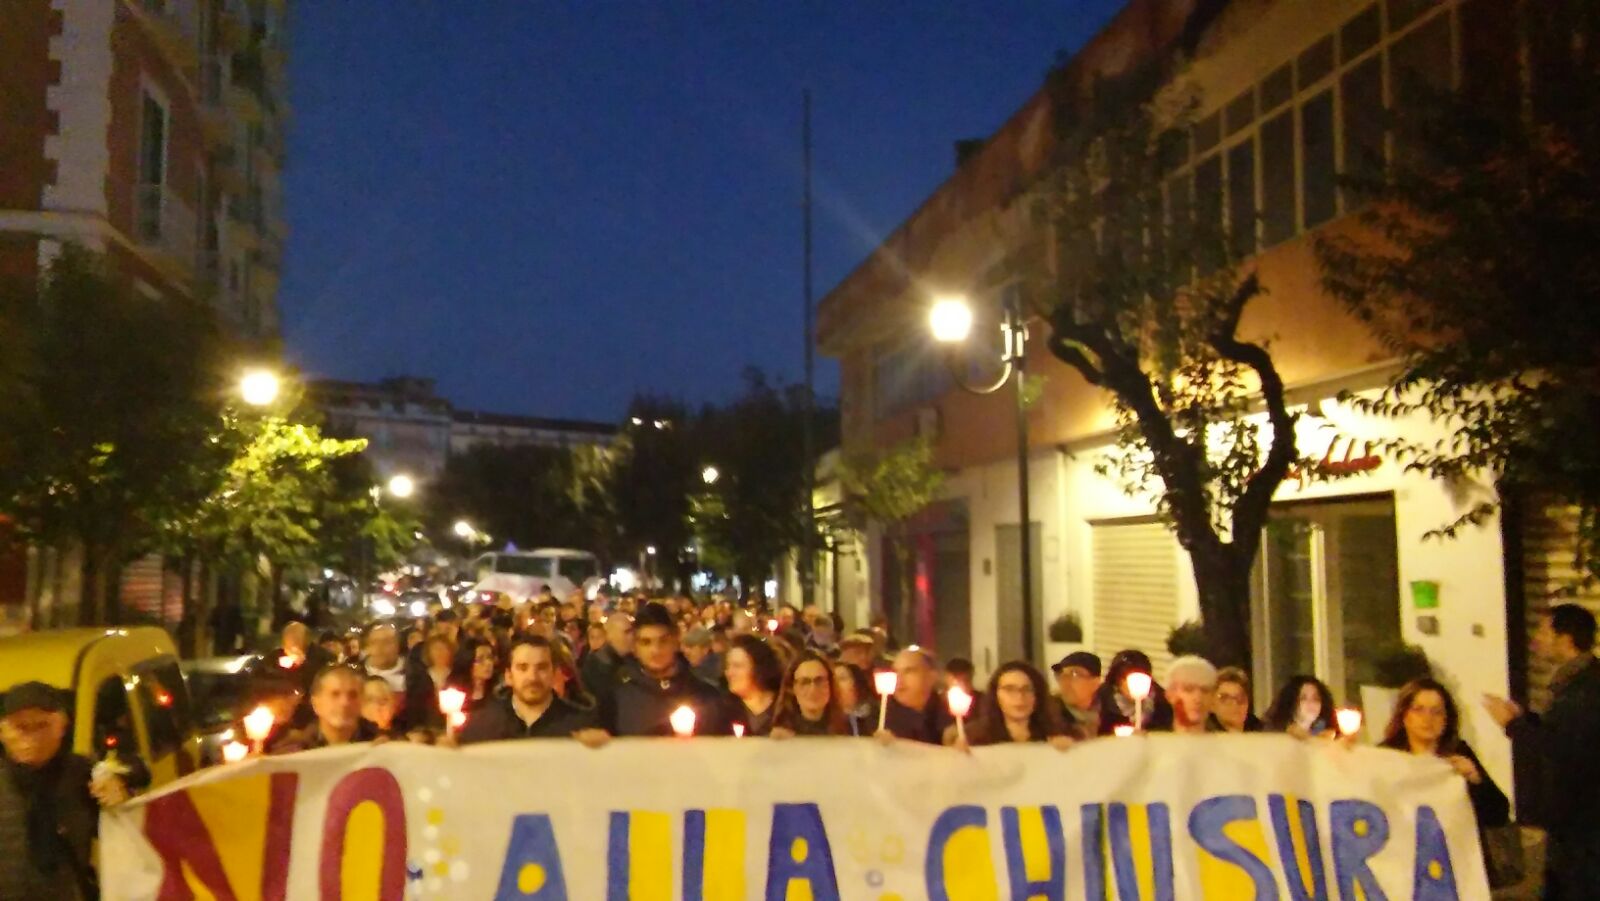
(532, 709)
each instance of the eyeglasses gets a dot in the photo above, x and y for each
(1230, 698)
(1016, 690)
(812, 682)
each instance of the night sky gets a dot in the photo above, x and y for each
(550, 206)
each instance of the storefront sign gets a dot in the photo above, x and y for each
(1153, 817)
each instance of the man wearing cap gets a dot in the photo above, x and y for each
(859, 649)
(707, 663)
(50, 801)
(1078, 677)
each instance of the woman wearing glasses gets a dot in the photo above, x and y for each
(808, 703)
(1015, 708)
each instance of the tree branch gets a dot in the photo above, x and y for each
(1250, 512)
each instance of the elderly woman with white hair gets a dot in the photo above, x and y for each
(1191, 684)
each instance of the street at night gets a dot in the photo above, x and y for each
(1075, 449)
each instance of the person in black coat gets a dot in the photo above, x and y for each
(599, 669)
(50, 800)
(1426, 721)
(656, 681)
(1117, 709)
(532, 709)
(1565, 741)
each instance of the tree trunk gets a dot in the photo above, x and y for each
(1222, 579)
(188, 627)
(95, 604)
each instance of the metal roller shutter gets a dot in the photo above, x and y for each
(1548, 559)
(1135, 589)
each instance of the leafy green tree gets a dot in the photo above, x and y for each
(654, 470)
(885, 490)
(754, 512)
(1144, 301)
(526, 494)
(1473, 261)
(115, 397)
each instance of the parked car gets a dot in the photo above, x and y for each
(222, 690)
(126, 687)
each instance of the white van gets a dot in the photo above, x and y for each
(522, 574)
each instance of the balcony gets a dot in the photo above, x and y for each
(165, 224)
(175, 27)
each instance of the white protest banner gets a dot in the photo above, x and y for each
(1153, 818)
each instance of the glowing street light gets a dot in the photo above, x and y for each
(402, 486)
(951, 320)
(710, 474)
(259, 387)
(464, 529)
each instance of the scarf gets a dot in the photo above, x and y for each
(394, 675)
(37, 785)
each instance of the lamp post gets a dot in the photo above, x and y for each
(951, 321)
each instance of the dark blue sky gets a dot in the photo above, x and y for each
(550, 206)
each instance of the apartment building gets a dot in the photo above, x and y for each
(151, 130)
(1291, 94)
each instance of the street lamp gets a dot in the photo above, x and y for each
(710, 474)
(950, 320)
(259, 387)
(464, 529)
(402, 486)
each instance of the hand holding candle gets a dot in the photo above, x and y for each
(1349, 721)
(885, 682)
(960, 705)
(451, 700)
(772, 626)
(682, 721)
(1138, 685)
(258, 725)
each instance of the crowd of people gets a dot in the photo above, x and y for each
(567, 669)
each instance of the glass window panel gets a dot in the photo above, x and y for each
(1278, 88)
(1359, 35)
(1207, 207)
(1277, 179)
(1364, 587)
(1421, 60)
(1241, 112)
(1361, 108)
(1404, 12)
(1319, 172)
(1207, 133)
(1242, 199)
(1315, 62)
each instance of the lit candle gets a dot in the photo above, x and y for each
(288, 661)
(258, 725)
(960, 705)
(683, 721)
(1122, 731)
(451, 700)
(738, 730)
(1138, 685)
(885, 682)
(1349, 721)
(772, 626)
(234, 751)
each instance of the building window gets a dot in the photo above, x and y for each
(1285, 142)
(152, 168)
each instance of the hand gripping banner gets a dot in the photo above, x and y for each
(1150, 818)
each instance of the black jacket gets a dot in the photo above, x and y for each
(63, 784)
(1565, 741)
(926, 725)
(599, 670)
(640, 704)
(498, 720)
(310, 738)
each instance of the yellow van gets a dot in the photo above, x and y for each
(127, 692)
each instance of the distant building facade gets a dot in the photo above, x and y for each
(412, 430)
(152, 131)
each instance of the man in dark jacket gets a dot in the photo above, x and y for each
(336, 702)
(532, 709)
(293, 664)
(917, 711)
(1564, 740)
(50, 801)
(656, 681)
(600, 668)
